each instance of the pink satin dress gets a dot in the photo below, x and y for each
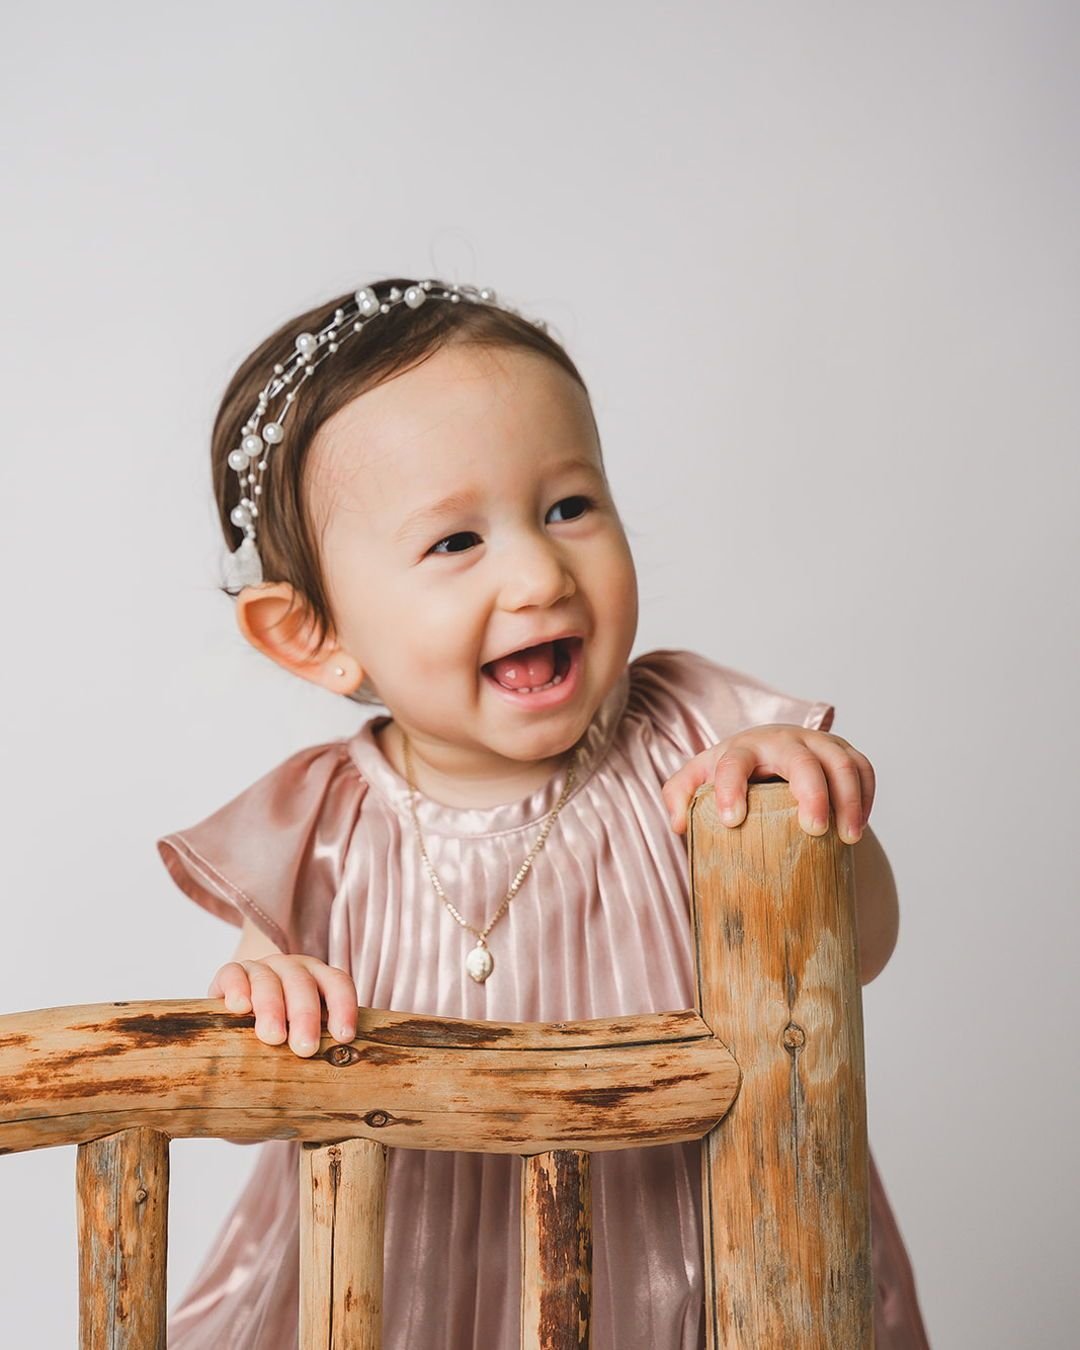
(320, 853)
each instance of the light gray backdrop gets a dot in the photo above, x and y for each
(818, 264)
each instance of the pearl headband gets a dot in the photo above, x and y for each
(251, 457)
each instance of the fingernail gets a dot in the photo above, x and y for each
(305, 1047)
(236, 1003)
(344, 1033)
(730, 815)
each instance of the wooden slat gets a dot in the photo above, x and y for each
(556, 1251)
(122, 1202)
(785, 1177)
(342, 1219)
(407, 1080)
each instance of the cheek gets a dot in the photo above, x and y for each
(616, 573)
(436, 623)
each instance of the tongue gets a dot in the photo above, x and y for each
(526, 669)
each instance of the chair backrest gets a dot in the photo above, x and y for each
(767, 1070)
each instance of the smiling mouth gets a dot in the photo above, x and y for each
(562, 660)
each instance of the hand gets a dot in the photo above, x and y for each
(821, 769)
(285, 993)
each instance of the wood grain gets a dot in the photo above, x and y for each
(785, 1176)
(342, 1222)
(72, 1074)
(767, 1070)
(122, 1201)
(556, 1251)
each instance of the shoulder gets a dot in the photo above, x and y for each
(318, 779)
(696, 702)
(308, 778)
(276, 847)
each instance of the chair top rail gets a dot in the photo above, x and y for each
(189, 1069)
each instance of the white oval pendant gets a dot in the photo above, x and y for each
(479, 963)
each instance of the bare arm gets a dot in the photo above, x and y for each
(253, 944)
(877, 908)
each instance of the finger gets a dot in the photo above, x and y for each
(303, 1008)
(680, 787)
(231, 983)
(869, 784)
(845, 790)
(809, 786)
(730, 776)
(267, 1001)
(338, 992)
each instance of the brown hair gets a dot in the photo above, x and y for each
(399, 339)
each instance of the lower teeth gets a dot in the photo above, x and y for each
(556, 679)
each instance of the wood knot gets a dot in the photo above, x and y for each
(140, 1195)
(794, 1036)
(377, 1119)
(341, 1055)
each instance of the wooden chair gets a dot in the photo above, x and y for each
(767, 1070)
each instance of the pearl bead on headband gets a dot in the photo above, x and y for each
(252, 455)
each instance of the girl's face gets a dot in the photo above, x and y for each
(464, 516)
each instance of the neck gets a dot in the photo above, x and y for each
(452, 789)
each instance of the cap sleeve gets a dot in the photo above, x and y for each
(275, 854)
(697, 702)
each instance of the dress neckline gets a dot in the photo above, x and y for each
(441, 818)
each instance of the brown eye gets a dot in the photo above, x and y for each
(579, 504)
(461, 534)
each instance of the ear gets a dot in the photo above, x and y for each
(276, 620)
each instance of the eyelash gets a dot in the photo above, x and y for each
(575, 497)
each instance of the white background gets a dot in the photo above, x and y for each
(818, 266)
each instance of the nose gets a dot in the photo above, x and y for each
(536, 574)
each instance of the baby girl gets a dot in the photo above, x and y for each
(412, 481)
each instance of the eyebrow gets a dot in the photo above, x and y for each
(426, 517)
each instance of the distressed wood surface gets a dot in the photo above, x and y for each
(411, 1081)
(785, 1176)
(556, 1251)
(785, 1160)
(342, 1222)
(122, 1202)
